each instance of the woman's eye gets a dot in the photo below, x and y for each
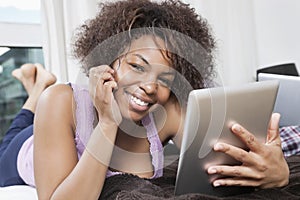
(165, 82)
(137, 67)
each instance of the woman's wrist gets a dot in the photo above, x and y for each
(102, 141)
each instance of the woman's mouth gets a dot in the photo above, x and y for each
(138, 104)
(139, 101)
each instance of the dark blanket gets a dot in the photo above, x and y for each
(132, 187)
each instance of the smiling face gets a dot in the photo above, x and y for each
(144, 78)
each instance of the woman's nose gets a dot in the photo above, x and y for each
(149, 87)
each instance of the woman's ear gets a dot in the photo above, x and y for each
(116, 66)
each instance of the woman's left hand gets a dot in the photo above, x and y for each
(262, 166)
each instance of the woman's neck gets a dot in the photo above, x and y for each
(133, 129)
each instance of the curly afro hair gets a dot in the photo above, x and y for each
(187, 36)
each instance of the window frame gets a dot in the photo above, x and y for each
(20, 34)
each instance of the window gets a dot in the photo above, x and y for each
(20, 42)
(12, 93)
(20, 11)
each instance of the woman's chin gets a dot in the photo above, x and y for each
(134, 117)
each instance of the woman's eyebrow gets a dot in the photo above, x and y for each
(168, 73)
(142, 58)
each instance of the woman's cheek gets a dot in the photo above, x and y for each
(164, 96)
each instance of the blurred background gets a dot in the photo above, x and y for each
(20, 42)
(250, 34)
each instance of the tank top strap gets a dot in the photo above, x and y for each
(156, 148)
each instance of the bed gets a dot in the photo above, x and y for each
(18, 192)
(132, 187)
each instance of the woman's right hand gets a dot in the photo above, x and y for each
(263, 166)
(101, 87)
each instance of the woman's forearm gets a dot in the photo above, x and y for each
(87, 178)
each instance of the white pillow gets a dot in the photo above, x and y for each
(18, 192)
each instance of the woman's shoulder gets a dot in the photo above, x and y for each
(57, 93)
(56, 100)
(64, 91)
(55, 106)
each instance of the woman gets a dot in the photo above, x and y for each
(142, 59)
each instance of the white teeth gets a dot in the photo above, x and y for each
(138, 101)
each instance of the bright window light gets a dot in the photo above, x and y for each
(3, 50)
(20, 11)
(21, 4)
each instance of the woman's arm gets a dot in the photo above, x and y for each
(58, 173)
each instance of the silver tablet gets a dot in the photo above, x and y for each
(210, 114)
(288, 98)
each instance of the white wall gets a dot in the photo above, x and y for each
(277, 31)
(252, 34)
(232, 25)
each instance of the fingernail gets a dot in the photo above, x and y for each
(236, 127)
(212, 170)
(115, 85)
(216, 184)
(219, 146)
(115, 88)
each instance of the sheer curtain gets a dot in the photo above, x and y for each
(231, 21)
(233, 25)
(60, 18)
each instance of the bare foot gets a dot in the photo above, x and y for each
(26, 75)
(43, 77)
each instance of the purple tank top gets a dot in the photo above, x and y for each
(84, 127)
